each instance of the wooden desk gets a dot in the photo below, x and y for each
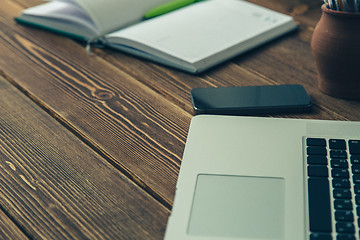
(91, 144)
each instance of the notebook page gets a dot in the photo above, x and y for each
(110, 15)
(202, 29)
(57, 15)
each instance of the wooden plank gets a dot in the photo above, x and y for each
(138, 130)
(56, 187)
(8, 229)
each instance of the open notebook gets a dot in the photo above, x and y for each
(267, 178)
(193, 38)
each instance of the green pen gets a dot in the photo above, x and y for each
(168, 7)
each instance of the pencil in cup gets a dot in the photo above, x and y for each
(343, 5)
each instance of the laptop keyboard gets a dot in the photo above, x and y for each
(333, 168)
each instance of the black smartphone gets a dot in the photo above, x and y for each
(251, 100)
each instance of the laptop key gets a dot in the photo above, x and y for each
(337, 144)
(344, 216)
(320, 236)
(339, 163)
(316, 151)
(345, 227)
(340, 173)
(318, 160)
(354, 147)
(345, 237)
(338, 154)
(341, 183)
(356, 178)
(355, 159)
(316, 142)
(355, 169)
(317, 171)
(340, 193)
(343, 204)
(319, 205)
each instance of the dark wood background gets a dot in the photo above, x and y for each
(91, 144)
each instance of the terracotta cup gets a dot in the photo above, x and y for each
(335, 46)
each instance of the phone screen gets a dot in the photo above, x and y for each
(250, 100)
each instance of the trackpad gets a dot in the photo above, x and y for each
(238, 206)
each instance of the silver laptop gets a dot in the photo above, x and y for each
(267, 178)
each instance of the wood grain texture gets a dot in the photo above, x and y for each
(138, 130)
(56, 187)
(8, 229)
